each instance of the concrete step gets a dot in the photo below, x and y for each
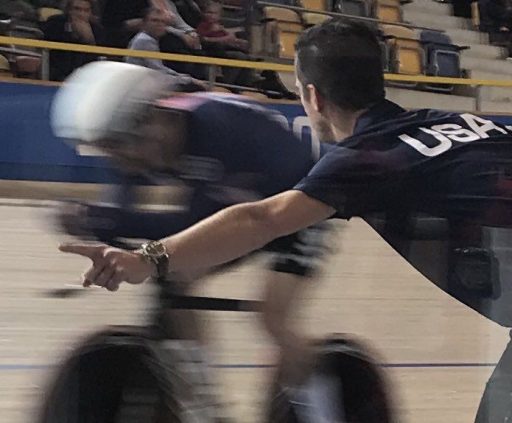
(492, 94)
(441, 22)
(429, 6)
(496, 107)
(484, 51)
(466, 37)
(501, 94)
(487, 65)
(412, 99)
(480, 74)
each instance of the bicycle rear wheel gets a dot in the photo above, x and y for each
(109, 378)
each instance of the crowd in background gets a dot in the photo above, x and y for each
(191, 27)
(494, 16)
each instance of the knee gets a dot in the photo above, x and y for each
(273, 319)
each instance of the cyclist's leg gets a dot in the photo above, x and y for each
(295, 266)
(282, 291)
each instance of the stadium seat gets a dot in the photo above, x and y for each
(235, 16)
(282, 27)
(311, 19)
(352, 7)
(5, 67)
(47, 12)
(405, 52)
(442, 58)
(315, 5)
(27, 66)
(389, 10)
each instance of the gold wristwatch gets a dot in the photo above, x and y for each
(156, 253)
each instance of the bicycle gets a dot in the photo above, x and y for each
(151, 374)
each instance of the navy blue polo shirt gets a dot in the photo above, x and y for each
(428, 161)
(436, 186)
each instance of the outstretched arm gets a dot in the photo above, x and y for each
(238, 230)
(229, 234)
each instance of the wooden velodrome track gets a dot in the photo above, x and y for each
(439, 353)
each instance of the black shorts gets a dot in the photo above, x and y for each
(300, 253)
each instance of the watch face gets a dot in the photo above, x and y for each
(155, 249)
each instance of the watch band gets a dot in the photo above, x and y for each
(162, 265)
(156, 253)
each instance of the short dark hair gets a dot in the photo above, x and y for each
(343, 60)
(69, 4)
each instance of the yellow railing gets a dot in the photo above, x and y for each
(215, 61)
(109, 51)
(45, 46)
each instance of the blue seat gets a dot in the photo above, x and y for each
(442, 58)
(352, 7)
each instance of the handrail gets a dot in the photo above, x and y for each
(447, 81)
(110, 51)
(229, 62)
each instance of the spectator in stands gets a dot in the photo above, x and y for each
(181, 38)
(74, 26)
(500, 13)
(22, 12)
(177, 25)
(153, 28)
(191, 11)
(219, 42)
(122, 19)
(462, 8)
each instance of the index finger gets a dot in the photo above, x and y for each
(90, 251)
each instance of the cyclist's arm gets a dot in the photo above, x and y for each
(129, 223)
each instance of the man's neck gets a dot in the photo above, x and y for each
(343, 123)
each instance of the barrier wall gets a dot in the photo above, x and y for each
(29, 151)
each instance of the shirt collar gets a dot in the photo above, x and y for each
(379, 112)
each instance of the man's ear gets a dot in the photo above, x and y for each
(316, 99)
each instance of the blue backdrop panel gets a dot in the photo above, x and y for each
(29, 151)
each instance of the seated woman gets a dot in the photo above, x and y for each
(218, 41)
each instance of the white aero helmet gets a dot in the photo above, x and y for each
(106, 100)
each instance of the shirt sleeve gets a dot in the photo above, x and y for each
(203, 29)
(179, 26)
(354, 182)
(148, 44)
